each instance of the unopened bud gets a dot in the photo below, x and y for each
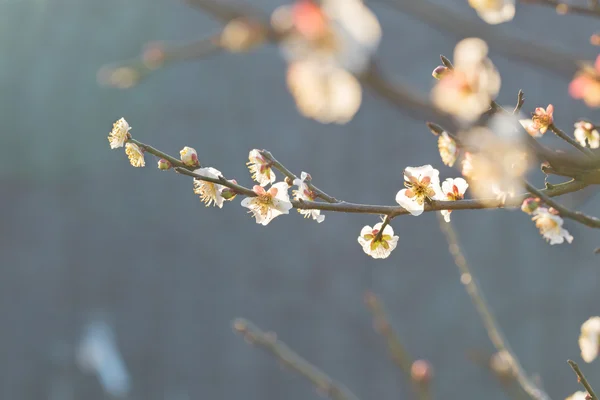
(153, 55)
(440, 71)
(501, 365)
(228, 193)
(164, 165)
(530, 205)
(421, 372)
(189, 157)
(120, 77)
(242, 34)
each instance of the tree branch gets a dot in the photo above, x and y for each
(581, 379)
(489, 321)
(564, 8)
(268, 342)
(561, 134)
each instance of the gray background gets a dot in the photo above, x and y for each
(83, 233)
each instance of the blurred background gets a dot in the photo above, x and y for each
(123, 271)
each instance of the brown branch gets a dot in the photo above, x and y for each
(565, 8)
(489, 321)
(268, 342)
(561, 134)
(520, 102)
(578, 216)
(581, 379)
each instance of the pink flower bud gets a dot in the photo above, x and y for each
(421, 372)
(189, 157)
(164, 165)
(439, 72)
(530, 205)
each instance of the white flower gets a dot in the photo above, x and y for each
(467, 165)
(377, 248)
(578, 396)
(448, 149)
(586, 132)
(119, 134)
(260, 168)
(422, 183)
(268, 204)
(467, 91)
(210, 193)
(589, 340)
(325, 93)
(305, 193)
(341, 33)
(135, 154)
(494, 11)
(453, 189)
(550, 226)
(189, 157)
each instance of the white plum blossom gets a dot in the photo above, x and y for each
(268, 204)
(589, 339)
(119, 134)
(453, 189)
(209, 192)
(260, 168)
(325, 93)
(382, 247)
(189, 156)
(421, 183)
(587, 134)
(550, 226)
(494, 11)
(135, 154)
(467, 90)
(304, 193)
(448, 149)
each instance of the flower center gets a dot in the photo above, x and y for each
(264, 202)
(419, 189)
(546, 224)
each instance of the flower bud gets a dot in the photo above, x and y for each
(421, 372)
(228, 193)
(189, 157)
(153, 55)
(164, 165)
(530, 205)
(241, 34)
(501, 364)
(440, 71)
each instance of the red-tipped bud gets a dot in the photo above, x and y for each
(440, 71)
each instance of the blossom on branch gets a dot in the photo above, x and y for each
(494, 11)
(135, 154)
(422, 184)
(448, 149)
(189, 157)
(539, 122)
(587, 134)
(467, 90)
(260, 168)
(453, 189)
(304, 193)
(378, 247)
(586, 84)
(268, 204)
(209, 192)
(119, 134)
(550, 226)
(589, 339)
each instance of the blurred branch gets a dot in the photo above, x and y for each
(558, 132)
(512, 45)
(489, 321)
(398, 353)
(520, 102)
(581, 379)
(564, 8)
(268, 341)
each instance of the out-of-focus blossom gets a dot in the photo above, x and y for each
(586, 84)
(189, 156)
(494, 11)
(118, 77)
(242, 34)
(530, 204)
(380, 248)
(448, 149)
(304, 193)
(467, 90)
(260, 168)
(135, 154)
(550, 226)
(539, 122)
(453, 189)
(268, 204)
(421, 372)
(587, 134)
(119, 134)
(421, 183)
(209, 192)
(323, 92)
(579, 396)
(589, 339)
(467, 165)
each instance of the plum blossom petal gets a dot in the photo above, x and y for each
(382, 247)
(589, 339)
(268, 204)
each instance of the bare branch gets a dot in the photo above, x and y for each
(564, 8)
(268, 341)
(581, 379)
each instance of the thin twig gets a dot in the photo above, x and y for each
(489, 321)
(385, 223)
(581, 379)
(268, 341)
(578, 216)
(564, 8)
(561, 134)
(520, 102)
(398, 353)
